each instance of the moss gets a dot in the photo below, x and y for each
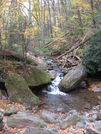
(37, 76)
(19, 92)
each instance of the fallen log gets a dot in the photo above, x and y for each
(60, 37)
(15, 56)
(78, 45)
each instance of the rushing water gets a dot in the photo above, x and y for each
(80, 99)
(54, 86)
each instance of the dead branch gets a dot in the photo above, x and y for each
(78, 45)
(60, 37)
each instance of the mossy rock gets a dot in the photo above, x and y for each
(37, 77)
(19, 91)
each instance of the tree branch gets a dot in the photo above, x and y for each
(70, 50)
(60, 37)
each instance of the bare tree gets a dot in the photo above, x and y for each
(30, 42)
(92, 8)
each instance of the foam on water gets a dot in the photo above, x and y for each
(54, 86)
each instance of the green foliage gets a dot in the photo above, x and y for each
(92, 55)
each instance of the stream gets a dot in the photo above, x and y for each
(79, 99)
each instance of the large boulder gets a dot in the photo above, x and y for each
(19, 91)
(22, 120)
(32, 130)
(73, 78)
(71, 120)
(49, 117)
(37, 77)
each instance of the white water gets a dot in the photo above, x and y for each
(54, 86)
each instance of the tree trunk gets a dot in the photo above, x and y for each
(49, 16)
(93, 19)
(41, 23)
(79, 15)
(30, 42)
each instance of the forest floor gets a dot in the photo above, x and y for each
(21, 108)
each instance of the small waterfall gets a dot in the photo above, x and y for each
(53, 87)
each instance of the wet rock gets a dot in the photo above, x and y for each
(80, 125)
(49, 117)
(71, 120)
(19, 91)
(83, 84)
(97, 125)
(73, 78)
(91, 130)
(21, 120)
(52, 75)
(99, 115)
(48, 88)
(87, 106)
(10, 111)
(32, 130)
(50, 66)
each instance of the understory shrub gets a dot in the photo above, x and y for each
(92, 55)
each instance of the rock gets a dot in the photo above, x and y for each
(1, 125)
(49, 88)
(21, 120)
(49, 117)
(91, 130)
(52, 75)
(71, 120)
(32, 130)
(99, 107)
(50, 66)
(97, 125)
(61, 110)
(1, 116)
(1, 111)
(37, 77)
(73, 78)
(87, 106)
(19, 91)
(10, 111)
(80, 125)
(99, 115)
(93, 118)
(83, 84)
(72, 112)
(84, 119)
(39, 61)
(1, 121)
